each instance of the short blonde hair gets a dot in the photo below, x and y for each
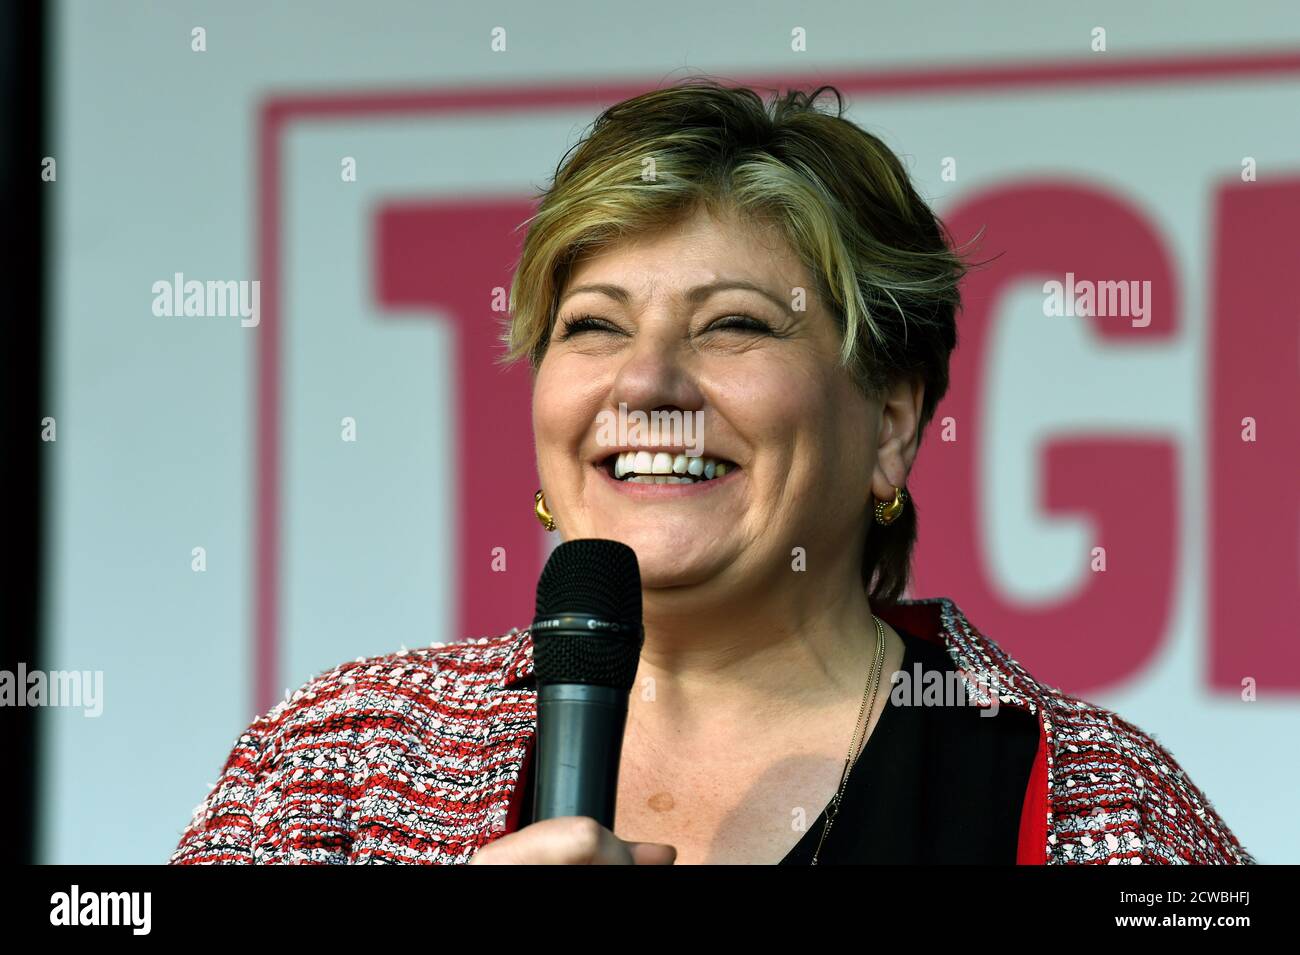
(883, 263)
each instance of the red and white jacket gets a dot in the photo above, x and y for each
(415, 757)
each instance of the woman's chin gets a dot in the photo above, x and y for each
(659, 575)
(672, 556)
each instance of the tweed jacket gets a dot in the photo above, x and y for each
(415, 757)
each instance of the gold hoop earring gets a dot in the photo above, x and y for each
(543, 515)
(887, 512)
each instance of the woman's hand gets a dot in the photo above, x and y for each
(570, 840)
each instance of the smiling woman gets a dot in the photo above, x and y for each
(767, 270)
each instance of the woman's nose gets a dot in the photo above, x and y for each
(656, 371)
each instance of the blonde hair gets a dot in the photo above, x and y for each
(882, 262)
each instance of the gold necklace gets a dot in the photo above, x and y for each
(869, 694)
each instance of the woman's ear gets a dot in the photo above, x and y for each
(899, 436)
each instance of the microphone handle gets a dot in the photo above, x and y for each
(579, 747)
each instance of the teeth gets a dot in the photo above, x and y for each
(658, 479)
(661, 467)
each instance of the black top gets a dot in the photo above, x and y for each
(933, 784)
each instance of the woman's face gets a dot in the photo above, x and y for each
(756, 365)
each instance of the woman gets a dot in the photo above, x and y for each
(770, 275)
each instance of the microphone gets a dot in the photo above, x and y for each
(587, 638)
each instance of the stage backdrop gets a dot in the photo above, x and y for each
(320, 466)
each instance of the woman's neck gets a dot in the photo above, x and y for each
(754, 663)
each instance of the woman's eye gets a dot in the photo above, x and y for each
(583, 323)
(742, 323)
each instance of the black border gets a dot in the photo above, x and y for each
(23, 383)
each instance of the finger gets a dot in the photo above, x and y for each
(610, 849)
(652, 853)
(568, 840)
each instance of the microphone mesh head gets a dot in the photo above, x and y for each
(596, 578)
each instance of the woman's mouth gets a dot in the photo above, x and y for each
(662, 467)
